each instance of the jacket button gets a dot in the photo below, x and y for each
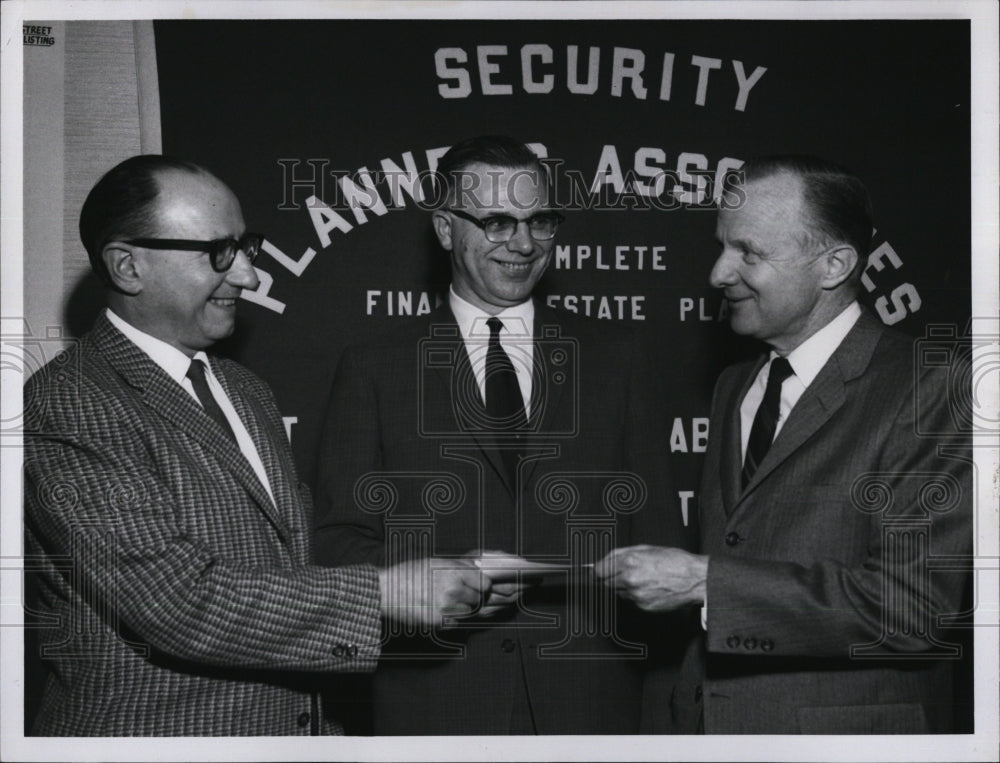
(697, 693)
(766, 645)
(339, 650)
(507, 645)
(303, 720)
(733, 642)
(732, 539)
(352, 650)
(750, 642)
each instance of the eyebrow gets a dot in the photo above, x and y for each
(739, 242)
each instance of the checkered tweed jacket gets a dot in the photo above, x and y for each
(180, 597)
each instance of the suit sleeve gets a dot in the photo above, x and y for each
(918, 498)
(350, 447)
(96, 494)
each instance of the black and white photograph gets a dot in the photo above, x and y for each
(306, 435)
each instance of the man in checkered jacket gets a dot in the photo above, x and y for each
(163, 507)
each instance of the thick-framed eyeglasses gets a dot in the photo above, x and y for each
(221, 251)
(500, 228)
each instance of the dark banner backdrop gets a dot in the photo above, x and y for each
(282, 110)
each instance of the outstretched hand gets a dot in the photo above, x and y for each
(656, 578)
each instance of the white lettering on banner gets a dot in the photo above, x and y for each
(745, 83)
(487, 69)
(618, 307)
(668, 76)
(684, 164)
(325, 220)
(692, 169)
(695, 181)
(704, 65)
(609, 171)
(259, 295)
(903, 300)
(364, 196)
(650, 162)
(463, 86)
(628, 65)
(584, 256)
(687, 305)
(685, 496)
(529, 83)
(593, 61)
(395, 175)
(296, 267)
(698, 440)
(628, 74)
(400, 303)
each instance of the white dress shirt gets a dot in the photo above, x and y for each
(806, 361)
(175, 363)
(515, 339)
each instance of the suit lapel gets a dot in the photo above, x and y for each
(546, 395)
(465, 399)
(822, 398)
(274, 457)
(168, 400)
(732, 449)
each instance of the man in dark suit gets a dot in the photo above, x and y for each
(498, 424)
(162, 504)
(822, 508)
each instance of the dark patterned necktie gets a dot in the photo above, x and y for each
(766, 420)
(196, 373)
(504, 405)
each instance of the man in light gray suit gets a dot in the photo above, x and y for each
(822, 507)
(162, 505)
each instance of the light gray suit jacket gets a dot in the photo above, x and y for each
(178, 595)
(821, 603)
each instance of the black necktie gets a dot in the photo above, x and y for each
(196, 373)
(504, 405)
(766, 420)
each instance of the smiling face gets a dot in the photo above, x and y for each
(769, 270)
(494, 276)
(182, 300)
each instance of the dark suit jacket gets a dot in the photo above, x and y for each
(179, 595)
(820, 605)
(402, 456)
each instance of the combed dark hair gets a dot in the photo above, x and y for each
(121, 205)
(838, 201)
(492, 150)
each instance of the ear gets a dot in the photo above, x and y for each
(838, 264)
(442, 227)
(119, 259)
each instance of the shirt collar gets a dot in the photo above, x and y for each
(809, 357)
(174, 362)
(517, 320)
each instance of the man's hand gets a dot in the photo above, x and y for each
(426, 591)
(656, 578)
(506, 585)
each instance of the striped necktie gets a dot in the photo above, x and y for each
(766, 420)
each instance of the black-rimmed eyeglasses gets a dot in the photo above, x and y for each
(500, 228)
(221, 251)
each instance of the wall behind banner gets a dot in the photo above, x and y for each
(283, 111)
